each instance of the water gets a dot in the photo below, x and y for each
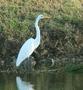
(42, 81)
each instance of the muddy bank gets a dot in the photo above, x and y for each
(55, 45)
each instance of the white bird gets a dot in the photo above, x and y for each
(31, 44)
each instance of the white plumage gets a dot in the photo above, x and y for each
(25, 51)
(30, 45)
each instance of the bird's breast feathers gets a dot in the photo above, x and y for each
(26, 50)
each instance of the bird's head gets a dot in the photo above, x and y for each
(39, 18)
(42, 17)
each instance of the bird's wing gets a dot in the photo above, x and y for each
(25, 51)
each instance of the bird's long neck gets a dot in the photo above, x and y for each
(37, 39)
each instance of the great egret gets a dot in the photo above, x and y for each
(31, 44)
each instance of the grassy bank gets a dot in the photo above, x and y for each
(17, 19)
(19, 15)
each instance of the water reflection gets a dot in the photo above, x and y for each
(22, 85)
(42, 81)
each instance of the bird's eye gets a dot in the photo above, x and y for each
(42, 16)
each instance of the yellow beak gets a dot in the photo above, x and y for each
(47, 17)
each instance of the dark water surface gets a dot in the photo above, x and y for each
(42, 81)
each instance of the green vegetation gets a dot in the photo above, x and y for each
(17, 22)
(18, 16)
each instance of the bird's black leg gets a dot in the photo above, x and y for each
(36, 56)
(29, 65)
